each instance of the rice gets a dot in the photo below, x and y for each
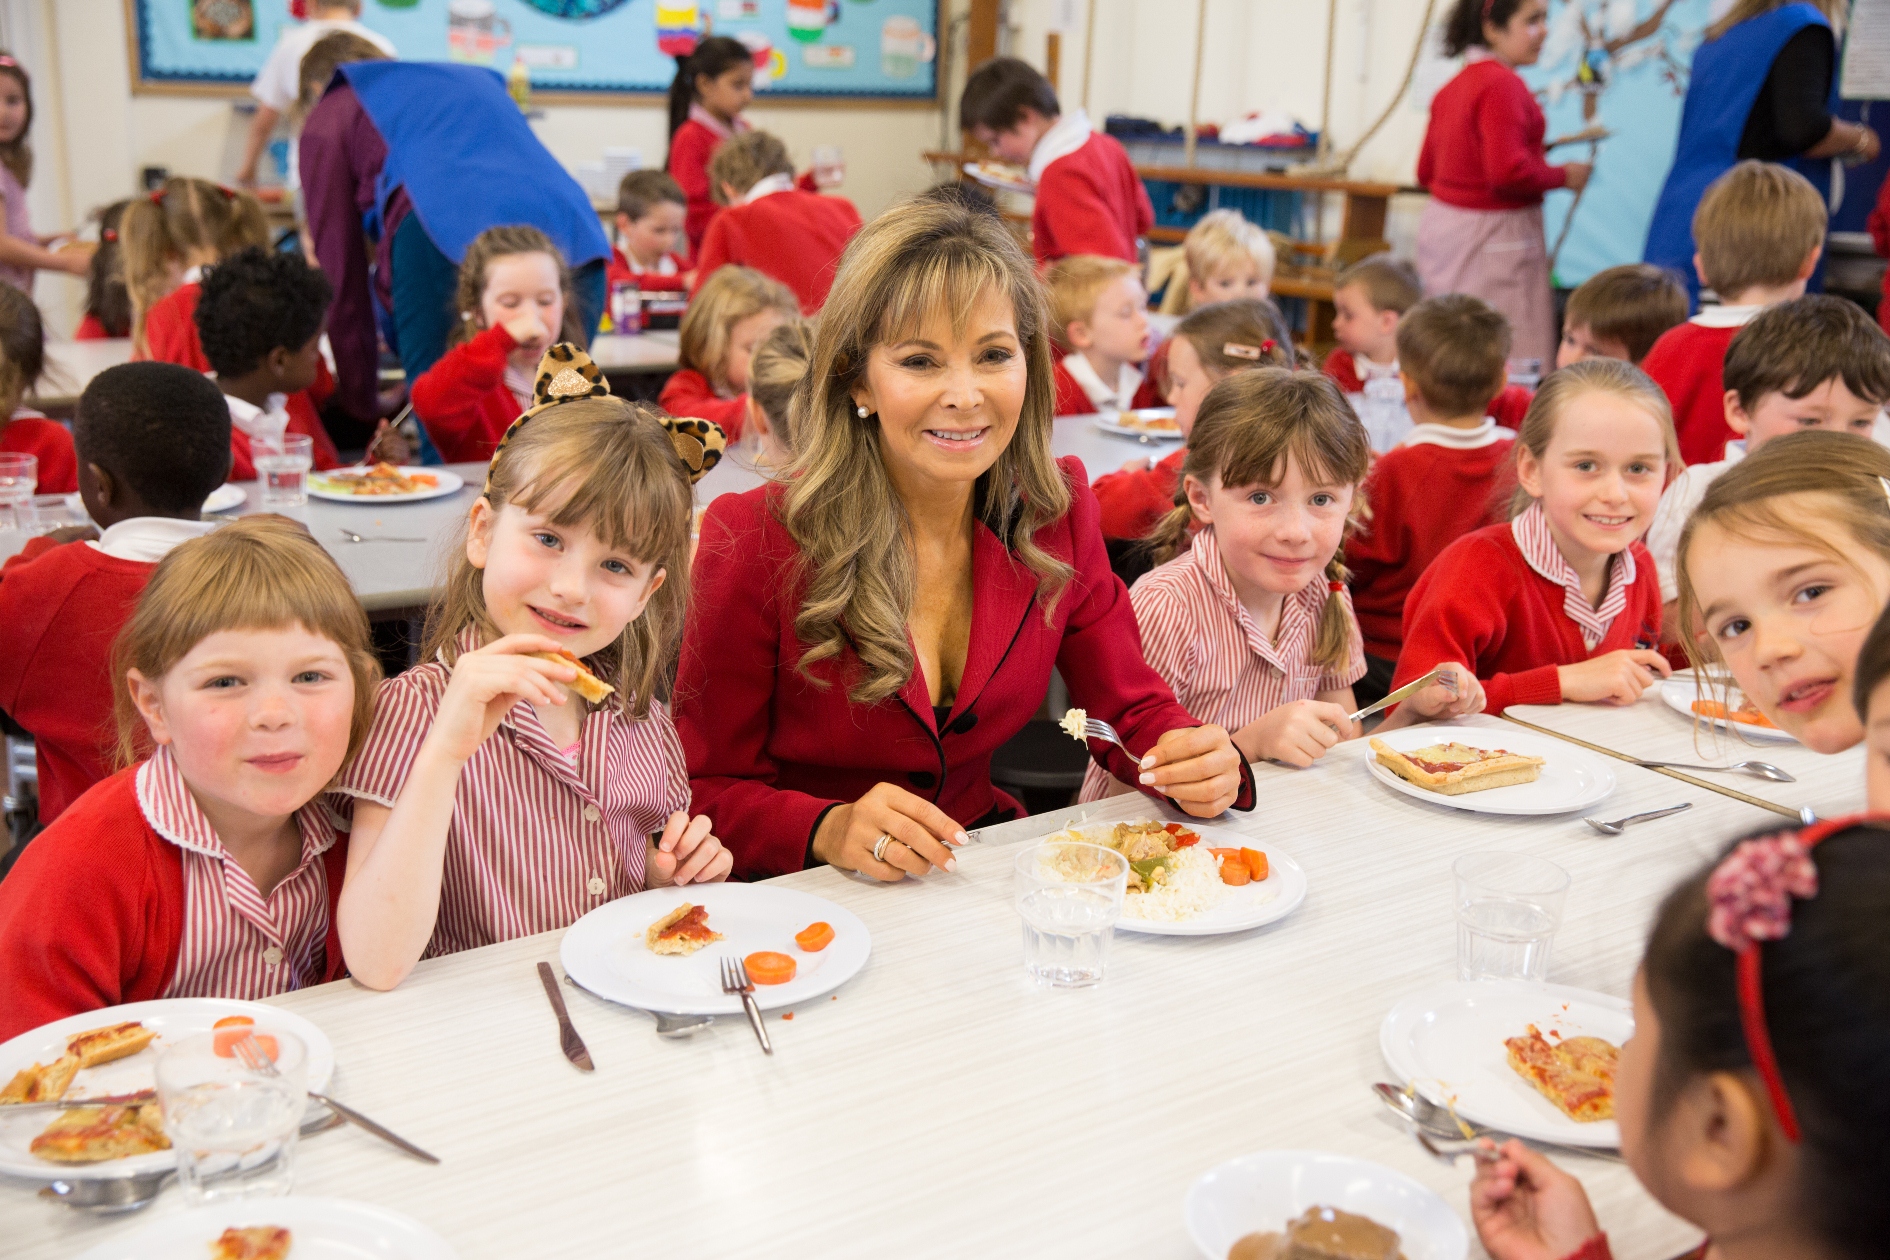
(1192, 888)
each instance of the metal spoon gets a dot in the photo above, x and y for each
(1427, 1118)
(1757, 769)
(351, 536)
(1619, 825)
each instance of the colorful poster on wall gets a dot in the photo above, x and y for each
(861, 49)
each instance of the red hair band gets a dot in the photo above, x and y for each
(1335, 587)
(1750, 894)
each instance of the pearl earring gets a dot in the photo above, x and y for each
(862, 410)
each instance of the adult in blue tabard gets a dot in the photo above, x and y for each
(1762, 87)
(412, 161)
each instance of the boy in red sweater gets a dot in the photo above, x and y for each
(153, 442)
(1101, 314)
(649, 227)
(1089, 198)
(260, 323)
(1562, 603)
(1368, 300)
(1759, 231)
(1619, 313)
(1441, 481)
(781, 231)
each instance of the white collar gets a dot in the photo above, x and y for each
(775, 183)
(1486, 434)
(192, 275)
(1367, 369)
(256, 421)
(1066, 135)
(699, 113)
(1101, 395)
(1725, 316)
(148, 538)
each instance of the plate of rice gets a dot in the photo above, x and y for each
(1188, 897)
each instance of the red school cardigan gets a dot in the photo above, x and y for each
(687, 392)
(1480, 603)
(463, 399)
(1483, 148)
(93, 914)
(1688, 362)
(770, 752)
(793, 236)
(1090, 202)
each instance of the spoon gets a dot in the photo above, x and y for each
(1434, 1121)
(1757, 769)
(351, 536)
(1619, 825)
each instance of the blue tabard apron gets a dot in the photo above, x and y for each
(1728, 73)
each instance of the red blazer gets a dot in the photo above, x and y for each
(769, 753)
(1133, 500)
(796, 237)
(687, 392)
(1090, 202)
(62, 605)
(689, 152)
(1481, 603)
(619, 271)
(1689, 363)
(1423, 498)
(1483, 149)
(51, 443)
(93, 914)
(463, 400)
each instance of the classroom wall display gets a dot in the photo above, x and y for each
(808, 49)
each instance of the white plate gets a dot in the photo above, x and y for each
(1681, 691)
(1248, 906)
(323, 1229)
(450, 483)
(605, 953)
(1448, 1041)
(172, 1019)
(1123, 424)
(1571, 778)
(997, 175)
(1266, 1190)
(223, 498)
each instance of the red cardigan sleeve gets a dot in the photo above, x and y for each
(1343, 370)
(716, 250)
(1133, 500)
(448, 395)
(687, 393)
(1458, 611)
(1511, 127)
(1076, 217)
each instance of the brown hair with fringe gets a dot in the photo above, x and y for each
(488, 247)
(255, 573)
(1632, 304)
(1250, 424)
(606, 465)
(1563, 387)
(183, 218)
(730, 295)
(925, 259)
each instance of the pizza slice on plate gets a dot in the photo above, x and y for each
(89, 1135)
(683, 930)
(252, 1242)
(102, 1045)
(45, 1082)
(1577, 1075)
(1453, 769)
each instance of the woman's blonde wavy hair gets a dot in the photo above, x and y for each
(607, 465)
(918, 261)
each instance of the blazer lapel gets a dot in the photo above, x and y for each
(1003, 595)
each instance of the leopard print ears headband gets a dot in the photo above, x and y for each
(567, 374)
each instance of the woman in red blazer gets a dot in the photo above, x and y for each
(842, 688)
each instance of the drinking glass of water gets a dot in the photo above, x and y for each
(1508, 908)
(282, 467)
(830, 166)
(233, 1129)
(1070, 895)
(19, 477)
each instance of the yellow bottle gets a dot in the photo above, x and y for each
(518, 82)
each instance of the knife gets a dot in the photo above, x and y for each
(67, 1104)
(568, 1039)
(1408, 690)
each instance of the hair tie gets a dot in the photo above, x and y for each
(1489, 7)
(1749, 895)
(229, 193)
(108, 235)
(567, 374)
(1239, 350)
(157, 194)
(1335, 587)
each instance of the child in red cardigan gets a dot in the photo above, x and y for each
(24, 431)
(1368, 300)
(1089, 198)
(209, 869)
(1760, 229)
(514, 301)
(155, 439)
(1562, 603)
(649, 227)
(734, 310)
(795, 236)
(1101, 314)
(1208, 346)
(713, 85)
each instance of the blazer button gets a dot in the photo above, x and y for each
(590, 813)
(922, 778)
(964, 723)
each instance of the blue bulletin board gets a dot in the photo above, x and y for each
(808, 49)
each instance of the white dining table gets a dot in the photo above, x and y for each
(941, 1105)
(70, 367)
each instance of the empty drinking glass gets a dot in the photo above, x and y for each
(234, 1129)
(1508, 908)
(830, 166)
(19, 477)
(282, 467)
(1070, 895)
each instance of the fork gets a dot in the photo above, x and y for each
(1096, 728)
(250, 1051)
(735, 980)
(1471, 1147)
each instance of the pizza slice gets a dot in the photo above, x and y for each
(683, 930)
(1576, 1075)
(252, 1242)
(102, 1045)
(1453, 769)
(90, 1135)
(41, 1082)
(587, 684)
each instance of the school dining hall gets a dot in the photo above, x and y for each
(1178, 629)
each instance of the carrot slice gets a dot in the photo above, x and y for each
(814, 937)
(225, 1039)
(1256, 862)
(232, 1021)
(1235, 872)
(768, 967)
(1225, 853)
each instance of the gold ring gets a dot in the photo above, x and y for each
(879, 847)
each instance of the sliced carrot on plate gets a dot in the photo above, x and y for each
(814, 937)
(1225, 853)
(225, 1039)
(1256, 862)
(232, 1021)
(767, 967)
(1235, 872)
